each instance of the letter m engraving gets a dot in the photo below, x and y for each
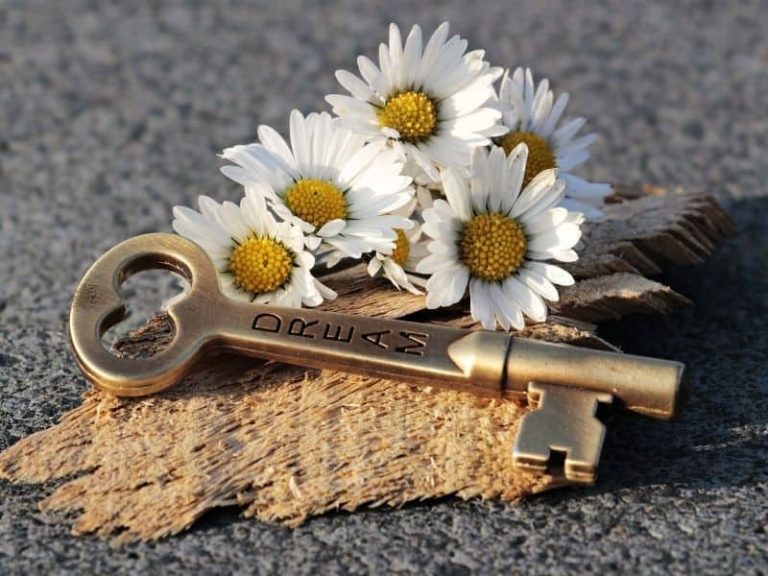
(418, 343)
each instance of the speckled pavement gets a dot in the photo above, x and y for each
(112, 113)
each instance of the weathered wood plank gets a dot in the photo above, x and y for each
(286, 443)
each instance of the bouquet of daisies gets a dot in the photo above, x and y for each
(446, 174)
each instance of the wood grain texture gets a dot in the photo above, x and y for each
(286, 443)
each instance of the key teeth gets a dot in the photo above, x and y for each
(528, 462)
(581, 476)
(573, 472)
(563, 422)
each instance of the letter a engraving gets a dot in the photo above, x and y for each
(375, 338)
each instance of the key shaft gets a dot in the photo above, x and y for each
(413, 352)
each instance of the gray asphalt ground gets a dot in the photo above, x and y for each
(111, 113)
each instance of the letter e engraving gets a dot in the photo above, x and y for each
(298, 327)
(418, 343)
(267, 322)
(337, 333)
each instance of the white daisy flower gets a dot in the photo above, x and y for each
(407, 253)
(494, 237)
(339, 190)
(257, 258)
(432, 103)
(532, 116)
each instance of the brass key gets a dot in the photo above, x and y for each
(564, 381)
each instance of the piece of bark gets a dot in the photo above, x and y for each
(286, 443)
(652, 233)
(638, 237)
(615, 295)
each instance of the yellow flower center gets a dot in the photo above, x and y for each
(402, 248)
(492, 246)
(260, 265)
(412, 114)
(316, 201)
(540, 154)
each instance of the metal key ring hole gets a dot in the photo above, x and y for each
(144, 328)
(98, 306)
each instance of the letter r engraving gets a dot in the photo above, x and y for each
(298, 327)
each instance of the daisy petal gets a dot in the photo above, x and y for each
(532, 108)
(450, 87)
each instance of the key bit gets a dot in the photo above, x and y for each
(563, 421)
(564, 381)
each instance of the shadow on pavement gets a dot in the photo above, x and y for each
(721, 437)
